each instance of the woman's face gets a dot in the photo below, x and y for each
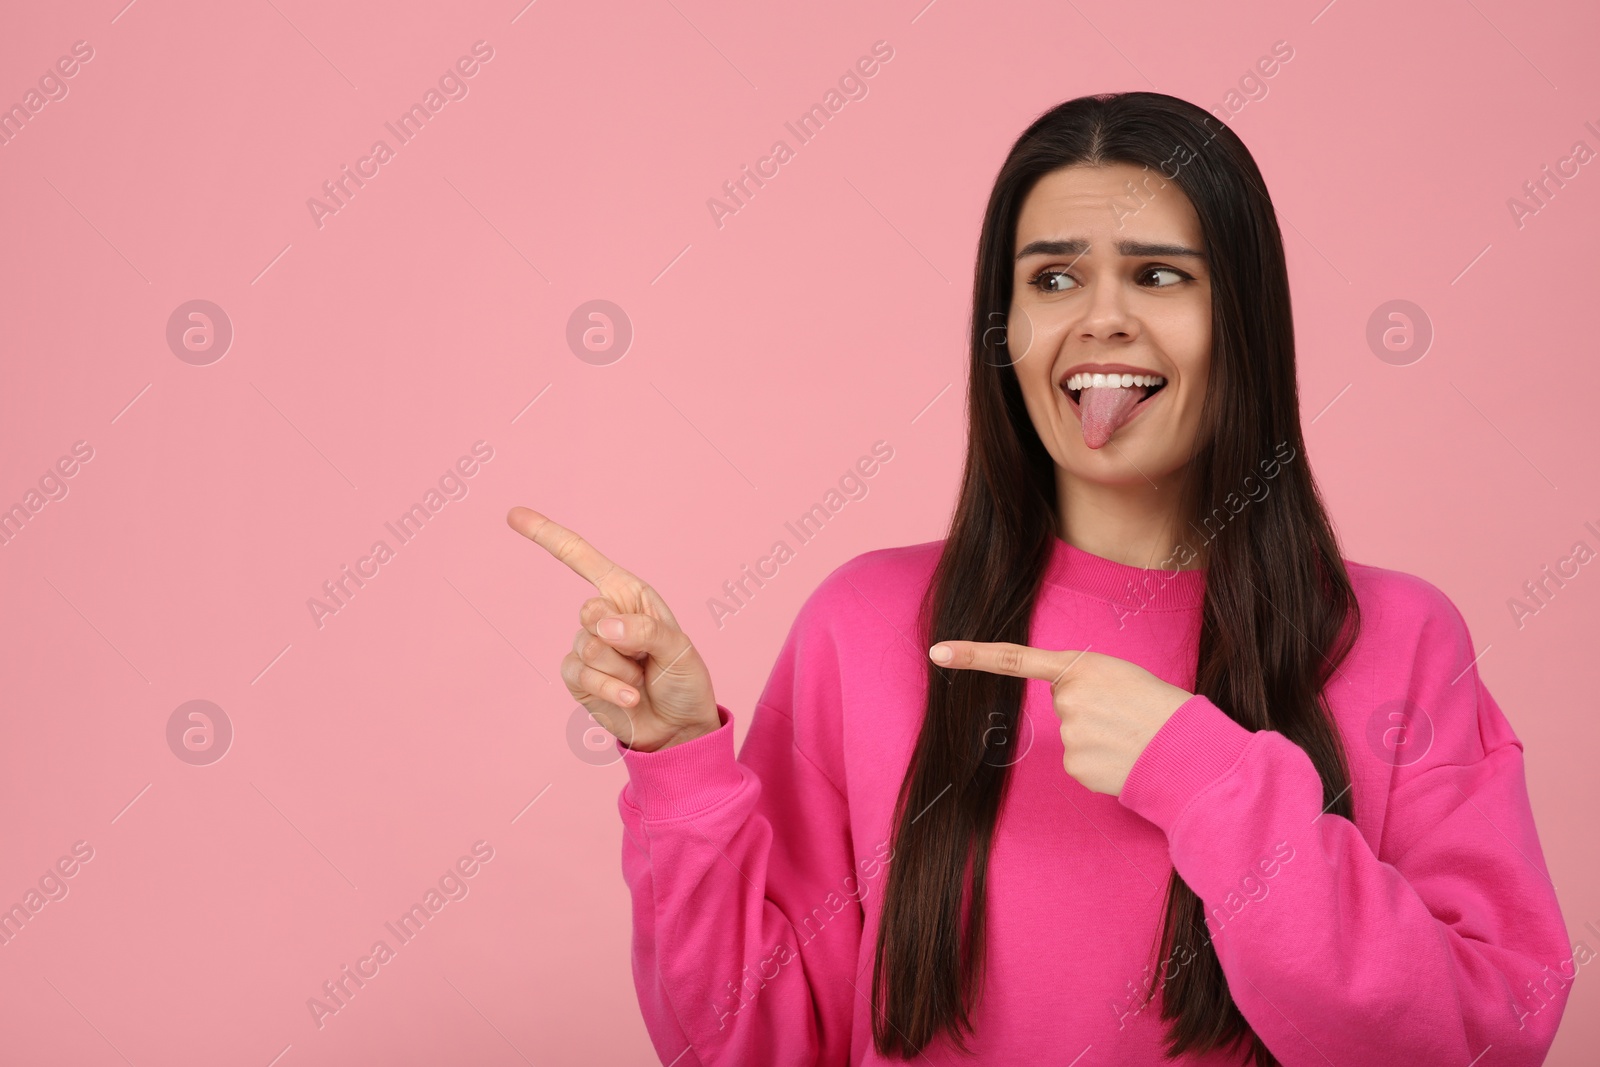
(1108, 282)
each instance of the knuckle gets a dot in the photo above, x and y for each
(568, 547)
(1011, 659)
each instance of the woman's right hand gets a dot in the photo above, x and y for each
(647, 685)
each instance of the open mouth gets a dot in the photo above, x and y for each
(1144, 392)
(1106, 402)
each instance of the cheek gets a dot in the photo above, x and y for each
(1197, 381)
(1190, 347)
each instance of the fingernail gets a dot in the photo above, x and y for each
(940, 653)
(611, 628)
(627, 696)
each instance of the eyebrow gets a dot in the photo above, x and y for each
(1077, 246)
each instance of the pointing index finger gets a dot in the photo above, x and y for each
(565, 545)
(1004, 657)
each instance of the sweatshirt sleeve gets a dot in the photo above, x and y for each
(745, 930)
(1444, 944)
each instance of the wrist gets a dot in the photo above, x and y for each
(688, 733)
(684, 734)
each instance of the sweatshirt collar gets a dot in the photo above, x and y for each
(1143, 588)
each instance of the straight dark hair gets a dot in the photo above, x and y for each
(1278, 617)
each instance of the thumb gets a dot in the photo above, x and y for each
(631, 634)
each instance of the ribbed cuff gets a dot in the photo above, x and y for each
(1196, 746)
(684, 778)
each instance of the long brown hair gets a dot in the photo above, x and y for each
(1278, 616)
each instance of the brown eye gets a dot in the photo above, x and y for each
(1042, 280)
(1178, 274)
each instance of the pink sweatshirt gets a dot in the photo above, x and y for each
(1427, 932)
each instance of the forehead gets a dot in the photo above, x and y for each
(1097, 203)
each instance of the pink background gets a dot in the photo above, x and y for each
(430, 312)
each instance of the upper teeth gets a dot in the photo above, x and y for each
(1105, 381)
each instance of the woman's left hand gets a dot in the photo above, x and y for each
(1109, 708)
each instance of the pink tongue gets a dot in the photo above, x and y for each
(1104, 410)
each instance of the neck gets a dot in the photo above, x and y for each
(1138, 524)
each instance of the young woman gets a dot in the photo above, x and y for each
(1174, 779)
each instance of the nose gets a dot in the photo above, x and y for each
(1105, 314)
